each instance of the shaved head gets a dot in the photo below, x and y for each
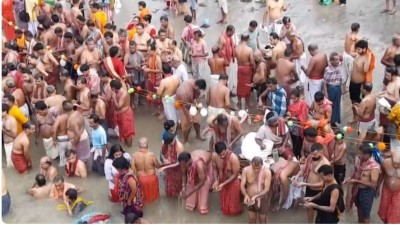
(143, 143)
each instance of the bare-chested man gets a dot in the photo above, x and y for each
(20, 154)
(314, 72)
(106, 95)
(226, 44)
(321, 111)
(167, 91)
(19, 96)
(69, 46)
(338, 159)
(226, 171)
(261, 73)
(217, 63)
(391, 93)
(175, 51)
(141, 38)
(46, 64)
(228, 129)
(69, 86)
(39, 91)
(365, 110)
(74, 167)
(390, 197)
(83, 103)
(60, 137)
(246, 65)
(391, 51)
(350, 51)
(91, 55)
(278, 50)
(361, 71)
(273, 15)
(255, 185)
(189, 92)
(162, 44)
(79, 47)
(312, 181)
(47, 169)
(59, 40)
(9, 131)
(286, 73)
(75, 12)
(164, 24)
(53, 99)
(108, 43)
(78, 136)
(218, 98)
(41, 188)
(98, 107)
(144, 164)
(298, 56)
(46, 117)
(364, 182)
(123, 112)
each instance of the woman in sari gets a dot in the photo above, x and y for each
(8, 18)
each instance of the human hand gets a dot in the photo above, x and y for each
(308, 199)
(301, 184)
(246, 200)
(309, 205)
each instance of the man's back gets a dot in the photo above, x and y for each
(144, 163)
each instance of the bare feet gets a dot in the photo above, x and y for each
(393, 11)
(385, 11)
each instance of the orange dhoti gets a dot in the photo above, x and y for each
(20, 162)
(230, 198)
(389, 209)
(198, 199)
(126, 124)
(149, 185)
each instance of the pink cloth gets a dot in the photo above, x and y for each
(93, 81)
(198, 199)
(199, 48)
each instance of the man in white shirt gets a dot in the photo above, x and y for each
(180, 69)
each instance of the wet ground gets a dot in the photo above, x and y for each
(325, 26)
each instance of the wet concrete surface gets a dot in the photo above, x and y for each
(325, 26)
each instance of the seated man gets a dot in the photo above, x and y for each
(74, 166)
(73, 203)
(321, 112)
(41, 188)
(47, 169)
(59, 187)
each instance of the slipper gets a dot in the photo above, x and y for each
(385, 11)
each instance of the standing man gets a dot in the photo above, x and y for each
(187, 93)
(254, 34)
(199, 53)
(9, 130)
(45, 121)
(226, 44)
(144, 164)
(365, 111)
(350, 51)
(223, 5)
(246, 64)
(364, 183)
(123, 112)
(314, 72)
(133, 61)
(390, 198)
(388, 58)
(99, 143)
(20, 154)
(273, 15)
(218, 98)
(255, 185)
(217, 63)
(164, 24)
(167, 91)
(60, 137)
(332, 86)
(278, 50)
(298, 56)
(196, 184)
(226, 172)
(286, 73)
(312, 180)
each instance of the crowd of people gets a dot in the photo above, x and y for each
(75, 80)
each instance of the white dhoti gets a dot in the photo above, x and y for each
(394, 143)
(199, 69)
(250, 148)
(302, 61)
(63, 145)
(276, 26)
(8, 147)
(363, 127)
(32, 27)
(223, 4)
(232, 77)
(347, 66)
(51, 150)
(213, 112)
(310, 88)
(169, 109)
(25, 110)
(214, 79)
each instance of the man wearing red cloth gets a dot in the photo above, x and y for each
(226, 171)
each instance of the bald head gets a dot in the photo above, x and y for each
(143, 143)
(45, 160)
(10, 83)
(215, 49)
(257, 55)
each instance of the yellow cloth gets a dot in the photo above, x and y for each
(131, 34)
(63, 206)
(21, 41)
(394, 116)
(31, 9)
(101, 18)
(19, 117)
